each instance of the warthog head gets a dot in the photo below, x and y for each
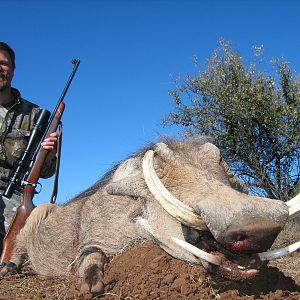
(230, 231)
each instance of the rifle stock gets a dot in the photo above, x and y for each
(26, 206)
(18, 222)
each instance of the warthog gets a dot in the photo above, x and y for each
(180, 195)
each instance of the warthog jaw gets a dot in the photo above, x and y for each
(227, 268)
(235, 270)
(263, 256)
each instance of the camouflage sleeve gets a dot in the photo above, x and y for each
(8, 209)
(48, 169)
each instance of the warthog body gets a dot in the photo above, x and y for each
(119, 211)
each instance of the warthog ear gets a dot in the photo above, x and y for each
(163, 150)
(211, 151)
(128, 168)
(128, 179)
(234, 181)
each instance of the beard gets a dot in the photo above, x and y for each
(3, 82)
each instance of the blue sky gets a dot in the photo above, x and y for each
(130, 53)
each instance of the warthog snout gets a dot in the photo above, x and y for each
(256, 236)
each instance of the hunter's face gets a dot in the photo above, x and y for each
(6, 70)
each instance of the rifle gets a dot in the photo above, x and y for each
(29, 168)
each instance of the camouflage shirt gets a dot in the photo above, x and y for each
(15, 125)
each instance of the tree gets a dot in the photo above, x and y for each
(252, 117)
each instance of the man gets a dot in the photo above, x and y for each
(17, 117)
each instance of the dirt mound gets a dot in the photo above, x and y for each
(147, 272)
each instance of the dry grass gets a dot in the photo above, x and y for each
(289, 264)
(289, 234)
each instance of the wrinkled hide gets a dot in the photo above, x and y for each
(120, 211)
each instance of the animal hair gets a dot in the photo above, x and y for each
(173, 144)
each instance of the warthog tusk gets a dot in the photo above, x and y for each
(294, 207)
(213, 259)
(293, 201)
(272, 254)
(182, 212)
(294, 211)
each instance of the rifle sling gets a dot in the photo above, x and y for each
(55, 181)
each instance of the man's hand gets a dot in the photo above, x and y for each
(50, 144)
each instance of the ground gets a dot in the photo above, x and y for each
(147, 272)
